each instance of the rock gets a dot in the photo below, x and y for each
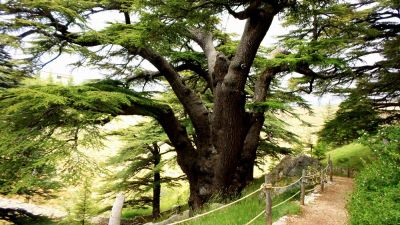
(291, 166)
(37, 210)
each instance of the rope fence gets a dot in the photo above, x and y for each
(283, 187)
(219, 208)
(256, 217)
(267, 187)
(311, 189)
(283, 202)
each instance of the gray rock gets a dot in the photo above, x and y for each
(291, 166)
(36, 210)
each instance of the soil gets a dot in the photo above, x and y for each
(328, 208)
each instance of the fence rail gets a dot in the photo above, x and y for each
(267, 188)
(217, 209)
(328, 170)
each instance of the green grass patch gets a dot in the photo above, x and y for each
(43, 221)
(243, 211)
(350, 156)
(170, 198)
(128, 213)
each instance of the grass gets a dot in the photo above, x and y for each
(170, 198)
(243, 211)
(43, 221)
(128, 213)
(350, 156)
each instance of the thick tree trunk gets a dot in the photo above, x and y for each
(236, 132)
(226, 167)
(203, 183)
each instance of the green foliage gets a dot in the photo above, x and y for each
(378, 185)
(385, 144)
(275, 128)
(275, 135)
(11, 70)
(320, 150)
(163, 26)
(132, 169)
(347, 42)
(84, 206)
(43, 129)
(355, 116)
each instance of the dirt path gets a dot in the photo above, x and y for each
(328, 208)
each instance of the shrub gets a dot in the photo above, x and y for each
(376, 199)
(320, 150)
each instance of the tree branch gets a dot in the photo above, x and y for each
(305, 69)
(150, 75)
(242, 15)
(175, 131)
(254, 32)
(191, 102)
(205, 40)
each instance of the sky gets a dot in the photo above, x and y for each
(59, 67)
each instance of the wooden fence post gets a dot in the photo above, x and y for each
(302, 187)
(330, 169)
(322, 180)
(268, 202)
(115, 218)
(348, 172)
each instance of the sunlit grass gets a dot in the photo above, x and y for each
(170, 198)
(350, 156)
(239, 213)
(243, 211)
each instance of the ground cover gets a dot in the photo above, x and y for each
(352, 156)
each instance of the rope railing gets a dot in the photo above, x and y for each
(311, 189)
(231, 203)
(326, 168)
(269, 207)
(288, 184)
(281, 203)
(256, 217)
(268, 188)
(219, 208)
